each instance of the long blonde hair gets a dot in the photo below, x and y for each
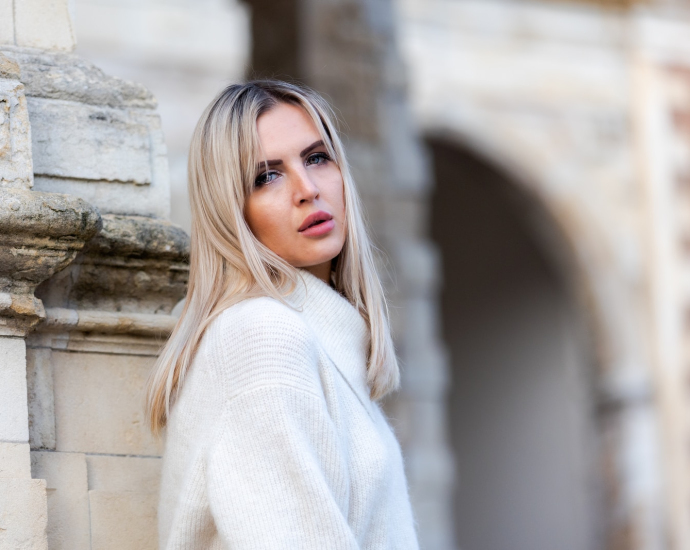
(229, 264)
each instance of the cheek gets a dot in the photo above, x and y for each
(336, 192)
(266, 219)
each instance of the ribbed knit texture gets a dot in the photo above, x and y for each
(274, 442)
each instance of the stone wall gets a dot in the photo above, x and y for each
(584, 109)
(90, 270)
(184, 51)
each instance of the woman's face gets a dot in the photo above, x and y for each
(297, 206)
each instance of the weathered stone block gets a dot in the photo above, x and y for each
(55, 75)
(123, 521)
(113, 197)
(113, 158)
(15, 134)
(68, 504)
(134, 265)
(14, 460)
(40, 234)
(39, 379)
(23, 515)
(124, 473)
(44, 24)
(9, 67)
(14, 424)
(86, 142)
(99, 402)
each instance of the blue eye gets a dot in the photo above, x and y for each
(263, 179)
(318, 158)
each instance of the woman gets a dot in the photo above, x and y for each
(268, 383)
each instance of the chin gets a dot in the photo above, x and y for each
(319, 256)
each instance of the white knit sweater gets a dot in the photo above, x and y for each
(274, 442)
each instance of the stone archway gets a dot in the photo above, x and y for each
(521, 401)
(544, 410)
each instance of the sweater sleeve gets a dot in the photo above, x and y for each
(277, 474)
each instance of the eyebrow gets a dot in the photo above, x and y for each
(303, 153)
(309, 149)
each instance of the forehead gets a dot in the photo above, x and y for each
(285, 127)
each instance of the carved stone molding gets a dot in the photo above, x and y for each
(108, 322)
(91, 135)
(40, 234)
(135, 265)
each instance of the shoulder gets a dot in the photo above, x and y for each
(262, 341)
(262, 321)
(254, 309)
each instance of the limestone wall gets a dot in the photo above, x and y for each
(585, 108)
(90, 270)
(184, 51)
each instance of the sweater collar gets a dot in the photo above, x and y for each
(339, 327)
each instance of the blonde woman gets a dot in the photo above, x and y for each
(268, 384)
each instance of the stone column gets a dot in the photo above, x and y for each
(31, 251)
(84, 202)
(40, 233)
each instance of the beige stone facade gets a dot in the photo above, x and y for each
(90, 271)
(525, 167)
(582, 111)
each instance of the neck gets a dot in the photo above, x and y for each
(322, 271)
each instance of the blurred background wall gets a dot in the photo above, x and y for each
(183, 51)
(525, 166)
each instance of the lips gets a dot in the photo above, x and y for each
(314, 219)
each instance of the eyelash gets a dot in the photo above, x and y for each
(321, 156)
(261, 178)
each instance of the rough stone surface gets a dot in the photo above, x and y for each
(95, 138)
(99, 404)
(43, 24)
(85, 142)
(135, 264)
(122, 343)
(14, 461)
(39, 379)
(140, 238)
(53, 75)
(109, 135)
(41, 234)
(13, 408)
(23, 515)
(123, 521)
(9, 68)
(15, 134)
(47, 216)
(113, 197)
(110, 184)
(68, 503)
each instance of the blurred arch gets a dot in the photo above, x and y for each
(553, 239)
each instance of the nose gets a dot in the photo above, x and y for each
(305, 190)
